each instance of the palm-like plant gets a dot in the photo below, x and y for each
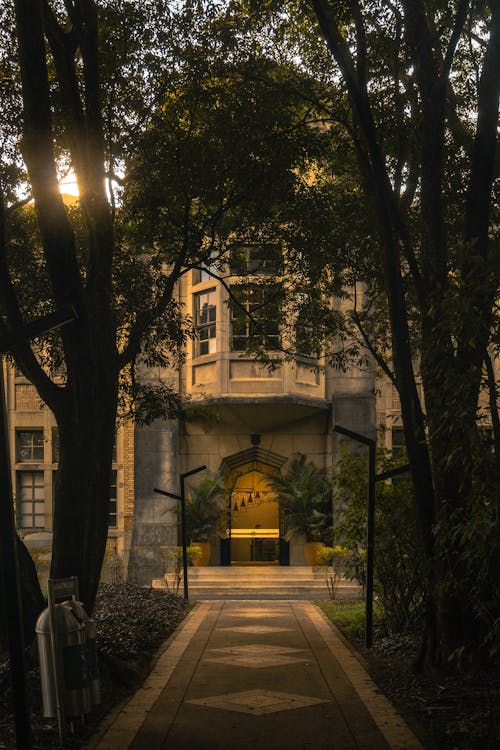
(305, 495)
(203, 509)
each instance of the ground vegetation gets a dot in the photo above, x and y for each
(455, 712)
(132, 624)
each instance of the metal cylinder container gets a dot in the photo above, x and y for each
(69, 661)
(93, 682)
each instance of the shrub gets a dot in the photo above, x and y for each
(173, 559)
(131, 619)
(305, 494)
(398, 558)
(333, 559)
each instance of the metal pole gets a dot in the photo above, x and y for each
(183, 526)
(11, 586)
(370, 551)
(184, 541)
(182, 499)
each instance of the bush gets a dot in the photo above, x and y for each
(174, 568)
(398, 558)
(333, 559)
(133, 620)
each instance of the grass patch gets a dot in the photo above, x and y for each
(349, 616)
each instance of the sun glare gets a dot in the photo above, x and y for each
(68, 185)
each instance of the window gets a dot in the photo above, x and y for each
(398, 444)
(395, 402)
(112, 499)
(207, 268)
(31, 499)
(206, 317)
(257, 324)
(29, 445)
(256, 259)
(55, 445)
(306, 338)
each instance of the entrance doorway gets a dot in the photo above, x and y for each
(255, 527)
(253, 520)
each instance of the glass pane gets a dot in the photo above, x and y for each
(26, 517)
(29, 445)
(203, 316)
(239, 343)
(239, 326)
(25, 480)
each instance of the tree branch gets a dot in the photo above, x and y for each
(12, 318)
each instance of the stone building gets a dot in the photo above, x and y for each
(261, 417)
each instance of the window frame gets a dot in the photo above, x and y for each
(33, 459)
(252, 297)
(32, 501)
(113, 500)
(206, 330)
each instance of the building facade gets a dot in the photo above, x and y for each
(258, 418)
(254, 419)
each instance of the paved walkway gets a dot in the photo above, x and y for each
(273, 675)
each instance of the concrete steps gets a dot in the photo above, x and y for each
(260, 582)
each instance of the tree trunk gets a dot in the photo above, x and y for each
(32, 598)
(451, 360)
(81, 508)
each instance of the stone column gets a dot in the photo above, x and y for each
(354, 407)
(155, 519)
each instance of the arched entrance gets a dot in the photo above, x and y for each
(254, 520)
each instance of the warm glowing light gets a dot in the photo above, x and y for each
(68, 185)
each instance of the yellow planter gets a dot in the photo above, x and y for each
(311, 550)
(205, 554)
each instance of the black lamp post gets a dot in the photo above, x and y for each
(182, 498)
(370, 545)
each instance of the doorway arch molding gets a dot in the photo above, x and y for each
(252, 458)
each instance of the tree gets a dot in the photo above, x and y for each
(100, 106)
(422, 84)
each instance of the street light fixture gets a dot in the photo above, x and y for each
(370, 544)
(182, 498)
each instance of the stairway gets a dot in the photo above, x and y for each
(260, 582)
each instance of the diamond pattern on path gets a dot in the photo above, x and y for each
(257, 629)
(256, 655)
(256, 662)
(257, 649)
(258, 702)
(255, 612)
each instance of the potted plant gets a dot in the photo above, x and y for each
(204, 506)
(305, 495)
